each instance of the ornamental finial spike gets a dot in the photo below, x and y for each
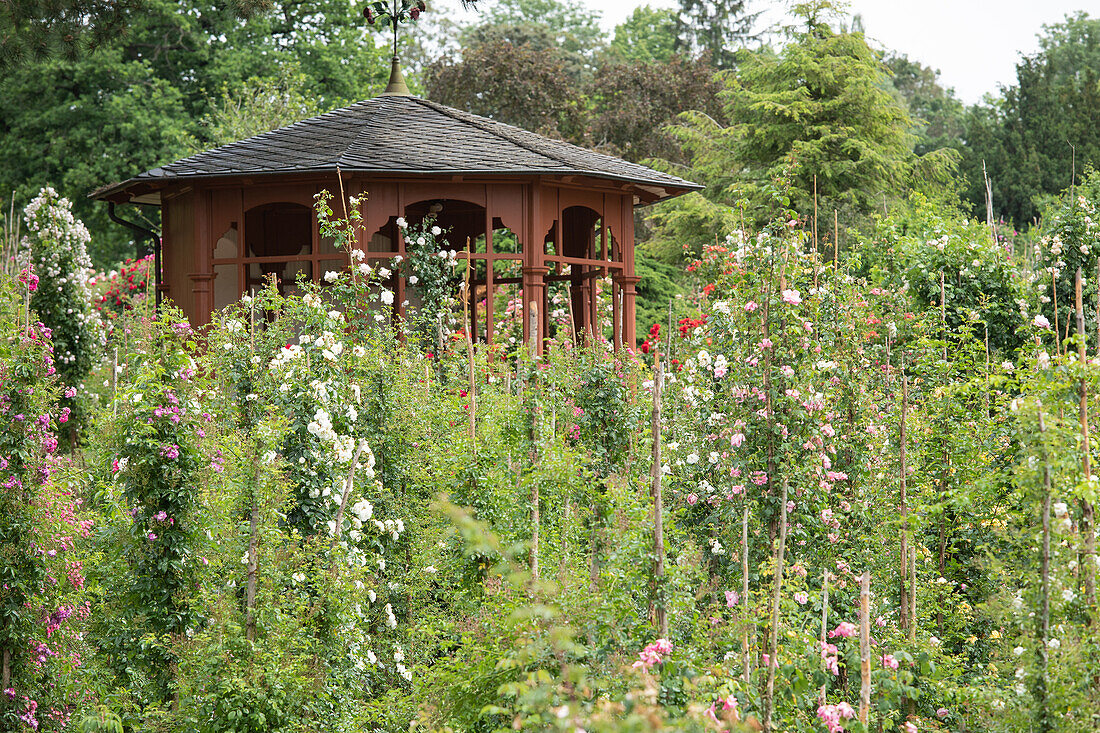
(397, 85)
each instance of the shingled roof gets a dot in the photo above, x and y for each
(400, 134)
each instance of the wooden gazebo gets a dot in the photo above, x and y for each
(551, 225)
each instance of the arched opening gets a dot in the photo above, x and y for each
(279, 240)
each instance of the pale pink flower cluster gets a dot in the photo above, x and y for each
(831, 716)
(653, 654)
(845, 629)
(889, 661)
(830, 655)
(792, 297)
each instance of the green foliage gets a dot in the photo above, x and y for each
(574, 29)
(257, 106)
(1033, 137)
(1070, 241)
(648, 36)
(910, 249)
(139, 99)
(635, 100)
(527, 85)
(55, 251)
(715, 28)
(938, 114)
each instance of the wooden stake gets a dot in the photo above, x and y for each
(986, 395)
(253, 553)
(114, 386)
(1044, 608)
(816, 250)
(943, 315)
(1088, 532)
(472, 392)
(836, 241)
(903, 610)
(824, 631)
(773, 642)
(912, 592)
(1057, 331)
(658, 504)
(747, 656)
(865, 648)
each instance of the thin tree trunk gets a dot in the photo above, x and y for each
(865, 648)
(745, 648)
(658, 506)
(1044, 609)
(1088, 532)
(5, 671)
(903, 605)
(773, 641)
(349, 482)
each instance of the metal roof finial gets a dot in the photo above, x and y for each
(397, 85)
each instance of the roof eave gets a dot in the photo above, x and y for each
(131, 190)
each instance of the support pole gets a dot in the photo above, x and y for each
(865, 648)
(773, 643)
(658, 504)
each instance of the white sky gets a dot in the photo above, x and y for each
(974, 43)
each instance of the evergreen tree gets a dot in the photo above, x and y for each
(1046, 123)
(818, 108)
(717, 28)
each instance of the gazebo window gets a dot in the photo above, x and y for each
(279, 239)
